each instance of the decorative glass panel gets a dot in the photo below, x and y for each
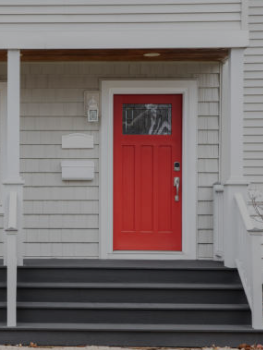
(147, 119)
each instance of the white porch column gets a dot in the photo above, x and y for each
(11, 131)
(232, 148)
(235, 124)
(13, 117)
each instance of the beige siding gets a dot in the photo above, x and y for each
(253, 96)
(87, 15)
(61, 218)
(253, 119)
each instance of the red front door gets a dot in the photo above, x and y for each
(147, 144)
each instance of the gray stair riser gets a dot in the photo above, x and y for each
(126, 275)
(3, 294)
(2, 274)
(132, 295)
(2, 315)
(199, 317)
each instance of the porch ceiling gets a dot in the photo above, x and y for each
(218, 55)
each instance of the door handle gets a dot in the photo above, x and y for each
(177, 185)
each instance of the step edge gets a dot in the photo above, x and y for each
(132, 306)
(72, 267)
(112, 285)
(102, 327)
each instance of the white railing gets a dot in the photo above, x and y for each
(11, 259)
(248, 259)
(218, 221)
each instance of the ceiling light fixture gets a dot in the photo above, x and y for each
(151, 54)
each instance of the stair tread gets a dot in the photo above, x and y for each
(129, 285)
(134, 306)
(136, 327)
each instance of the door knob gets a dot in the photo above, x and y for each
(177, 186)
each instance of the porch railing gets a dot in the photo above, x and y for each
(247, 250)
(248, 259)
(11, 259)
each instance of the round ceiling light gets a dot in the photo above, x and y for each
(151, 54)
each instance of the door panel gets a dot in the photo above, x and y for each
(128, 182)
(147, 142)
(147, 188)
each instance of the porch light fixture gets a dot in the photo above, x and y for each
(93, 110)
(151, 54)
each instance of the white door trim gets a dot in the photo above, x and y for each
(189, 90)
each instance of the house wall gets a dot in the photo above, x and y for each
(253, 95)
(61, 218)
(138, 14)
(253, 107)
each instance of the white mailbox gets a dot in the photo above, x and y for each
(79, 170)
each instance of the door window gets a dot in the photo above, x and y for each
(147, 119)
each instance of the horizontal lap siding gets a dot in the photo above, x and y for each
(178, 14)
(253, 96)
(61, 218)
(253, 107)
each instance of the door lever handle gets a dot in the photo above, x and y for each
(177, 185)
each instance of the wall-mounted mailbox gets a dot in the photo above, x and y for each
(79, 170)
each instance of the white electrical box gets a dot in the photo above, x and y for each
(79, 170)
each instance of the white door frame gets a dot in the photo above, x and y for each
(188, 88)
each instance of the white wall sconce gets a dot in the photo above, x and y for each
(93, 110)
(92, 106)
